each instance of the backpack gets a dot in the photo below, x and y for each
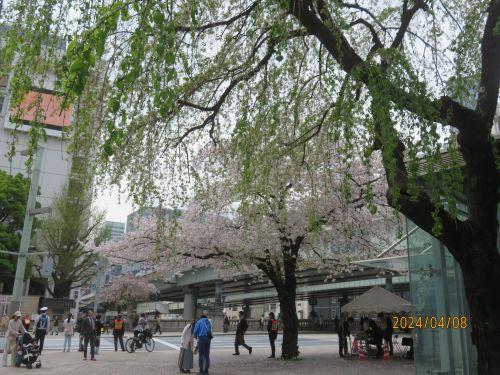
(42, 322)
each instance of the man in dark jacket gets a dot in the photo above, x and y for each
(240, 335)
(89, 329)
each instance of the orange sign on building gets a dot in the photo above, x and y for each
(44, 108)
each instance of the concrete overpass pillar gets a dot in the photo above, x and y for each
(388, 284)
(217, 315)
(189, 304)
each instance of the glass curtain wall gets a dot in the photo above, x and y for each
(436, 288)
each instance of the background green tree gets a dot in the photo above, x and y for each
(13, 197)
(64, 233)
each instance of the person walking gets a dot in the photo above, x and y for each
(69, 329)
(14, 328)
(203, 333)
(185, 361)
(41, 328)
(225, 324)
(89, 335)
(55, 326)
(99, 329)
(118, 332)
(78, 328)
(240, 335)
(26, 322)
(157, 322)
(272, 330)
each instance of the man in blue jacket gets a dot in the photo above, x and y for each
(203, 333)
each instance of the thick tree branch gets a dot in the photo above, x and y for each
(490, 69)
(376, 40)
(443, 110)
(406, 18)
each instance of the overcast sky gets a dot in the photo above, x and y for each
(116, 205)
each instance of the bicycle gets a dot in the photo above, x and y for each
(145, 338)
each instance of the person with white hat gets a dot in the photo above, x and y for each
(41, 327)
(14, 329)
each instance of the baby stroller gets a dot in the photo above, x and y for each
(27, 351)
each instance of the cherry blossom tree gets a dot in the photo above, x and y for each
(127, 290)
(301, 220)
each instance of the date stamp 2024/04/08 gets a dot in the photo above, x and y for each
(432, 322)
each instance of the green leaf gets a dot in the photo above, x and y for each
(77, 66)
(170, 58)
(114, 105)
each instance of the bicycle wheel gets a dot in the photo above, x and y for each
(130, 345)
(149, 344)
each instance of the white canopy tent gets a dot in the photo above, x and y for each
(377, 300)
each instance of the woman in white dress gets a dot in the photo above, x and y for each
(186, 353)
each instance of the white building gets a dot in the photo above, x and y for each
(56, 160)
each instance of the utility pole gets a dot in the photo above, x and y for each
(17, 291)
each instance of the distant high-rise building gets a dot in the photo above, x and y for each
(117, 229)
(145, 213)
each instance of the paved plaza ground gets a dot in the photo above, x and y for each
(319, 355)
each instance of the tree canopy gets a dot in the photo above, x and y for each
(13, 197)
(403, 80)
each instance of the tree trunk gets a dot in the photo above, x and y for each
(482, 284)
(290, 323)
(62, 288)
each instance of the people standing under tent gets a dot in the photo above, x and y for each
(99, 328)
(272, 330)
(240, 335)
(89, 326)
(14, 328)
(388, 330)
(203, 333)
(41, 328)
(69, 328)
(118, 332)
(185, 361)
(375, 334)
